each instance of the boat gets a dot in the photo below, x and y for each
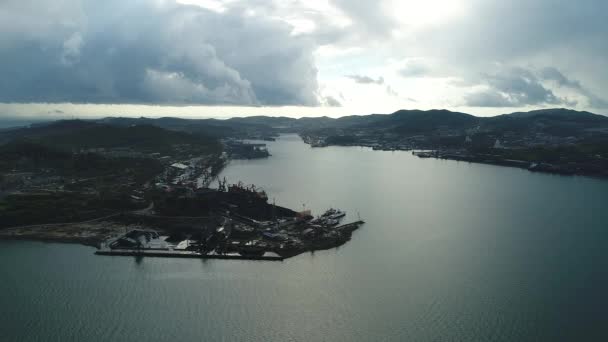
(338, 215)
(330, 212)
(331, 222)
(334, 213)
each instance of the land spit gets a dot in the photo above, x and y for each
(236, 222)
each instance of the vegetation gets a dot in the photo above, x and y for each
(77, 134)
(21, 210)
(209, 127)
(28, 156)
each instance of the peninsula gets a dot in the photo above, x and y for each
(146, 190)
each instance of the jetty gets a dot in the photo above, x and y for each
(239, 224)
(186, 254)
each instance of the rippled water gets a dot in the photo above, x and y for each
(450, 252)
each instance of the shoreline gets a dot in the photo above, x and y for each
(96, 241)
(90, 233)
(523, 165)
(437, 154)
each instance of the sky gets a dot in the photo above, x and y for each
(224, 58)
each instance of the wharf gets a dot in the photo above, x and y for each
(184, 254)
(143, 243)
(350, 226)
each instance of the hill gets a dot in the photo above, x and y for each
(68, 135)
(417, 121)
(403, 122)
(236, 127)
(558, 122)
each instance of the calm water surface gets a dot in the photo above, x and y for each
(450, 252)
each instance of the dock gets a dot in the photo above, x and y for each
(184, 254)
(265, 244)
(351, 226)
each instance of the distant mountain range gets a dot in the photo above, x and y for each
(554, 140)
(561, 121)
(555, 121)
(558, 121)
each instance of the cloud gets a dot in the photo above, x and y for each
(526, 28)
(71, 49)
(158, 52)
(330, 101)
(176, 87)
(362, 79)
(597, 102)
(553, 74)
(266, 52)
(517, 86)
(415, 68)
(391, 92)
(566, 35)
(512, 87)
(368, 17)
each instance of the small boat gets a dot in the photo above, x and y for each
(330, 212)
(338, 215)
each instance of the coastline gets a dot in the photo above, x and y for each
(546, 168)
(88, 234)
(95, 234)
(520, 164)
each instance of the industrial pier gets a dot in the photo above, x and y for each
(185, 254)
(151, 244)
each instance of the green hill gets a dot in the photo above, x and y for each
(77, 134)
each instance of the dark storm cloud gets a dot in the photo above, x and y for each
(362, 79)
(150, 52)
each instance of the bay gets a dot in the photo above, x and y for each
(450, 251)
